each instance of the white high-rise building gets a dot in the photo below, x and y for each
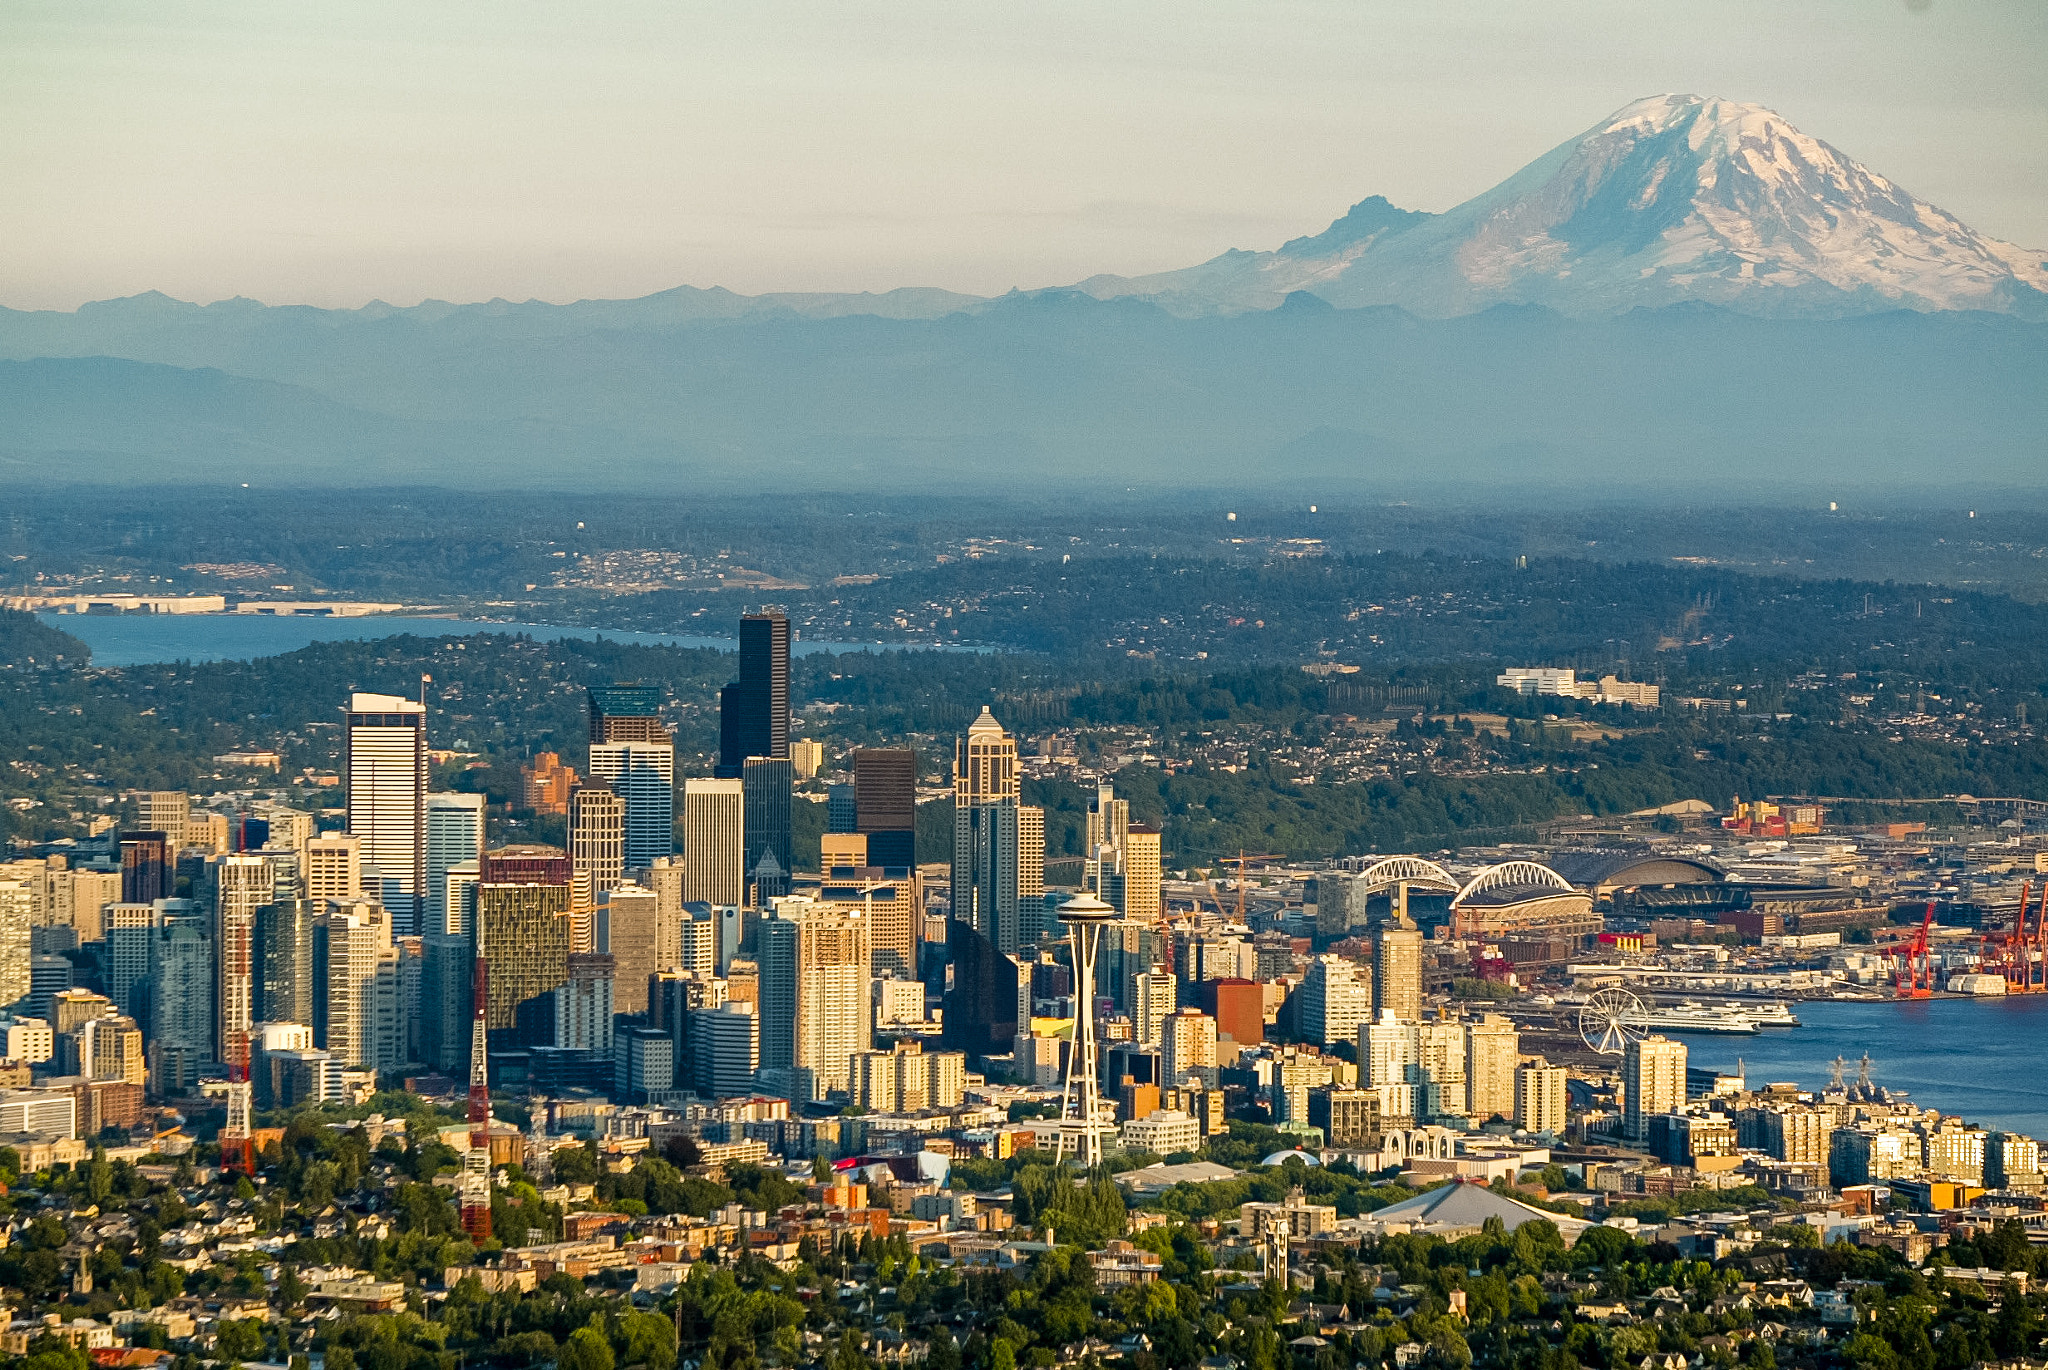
(1540, 1097)
(714, 841)
(1386, 1048)
(1153, 998)
(1492, 1047)
(584, 1006)
(386, 784)
(1652, 1082)
(643, 775)
(455, 836)
(242, 884)
(815, 1011)
(1334, 998)
(350, 941)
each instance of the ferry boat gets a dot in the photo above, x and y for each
(1692, 1016)
(1772, 1014)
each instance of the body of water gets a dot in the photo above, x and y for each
(1979, 1058)
(151, 639)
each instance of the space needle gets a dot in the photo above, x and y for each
(1081, 1125)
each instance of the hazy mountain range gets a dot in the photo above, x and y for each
(1691, 295)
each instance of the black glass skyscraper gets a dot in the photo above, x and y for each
(981, 1006)
(885, 804)
(753, 711)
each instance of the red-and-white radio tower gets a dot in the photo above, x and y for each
(476, 1162)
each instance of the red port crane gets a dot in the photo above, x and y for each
(1913, 971)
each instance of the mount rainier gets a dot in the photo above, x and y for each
(1673, 198)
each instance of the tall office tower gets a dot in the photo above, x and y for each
(1652, 1082)
(248, 832)
(284, 961)
(998, 845)
(349, 943)
(522, 933)
(332, 867)
(146, 867)
(643, 776)
(1334, 998)
(714, 841)
(1153, 1000)
(597, 842)
(986, 863)
(807, 757)
(765, 785)
(1397, 973)
(1109, 818)
(461, 894)
(753, 711)
(985, 764)
(1540, 1100)
(447, 979)
(981, 996)
(242, 885)
(455, 834)
(125, 960)
(167, 812)
(842, 808)
(181, 1003)
(814, 995)
(628, 928)
(1141, 874)
(1492, 1047)
(725, 1049)
(1187, 1043)
(584, 1005)
(386, 780)
(885, 804)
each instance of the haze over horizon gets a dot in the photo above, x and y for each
(332, 158)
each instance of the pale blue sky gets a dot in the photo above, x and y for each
(335, 153)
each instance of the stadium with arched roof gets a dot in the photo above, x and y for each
(1522, 900)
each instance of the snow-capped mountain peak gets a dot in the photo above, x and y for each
(1674, 197)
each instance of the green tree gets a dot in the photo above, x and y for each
(586, 1349)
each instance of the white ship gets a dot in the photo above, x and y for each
(1692, 1016)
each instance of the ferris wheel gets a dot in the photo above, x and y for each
(1612, 1019)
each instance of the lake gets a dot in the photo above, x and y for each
(1980, 1058)
(151, 639)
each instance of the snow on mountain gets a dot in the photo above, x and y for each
(1673, 198)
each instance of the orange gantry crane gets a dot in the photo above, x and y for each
(2020, 953)
(1913, 965)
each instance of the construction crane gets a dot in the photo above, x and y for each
(475, 1189)
(1243, 861)
(1913, 968)
(2017, 954)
